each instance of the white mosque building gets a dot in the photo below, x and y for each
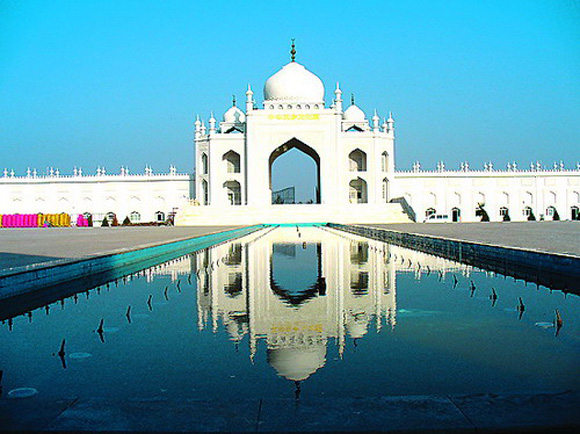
(355, 164)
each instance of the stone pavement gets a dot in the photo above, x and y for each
(22, 247)
(542, 412)
(551, 237)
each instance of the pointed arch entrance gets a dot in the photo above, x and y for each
(305, 149)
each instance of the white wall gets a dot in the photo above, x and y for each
(98, 195)
(512, 189)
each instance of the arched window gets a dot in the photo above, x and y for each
(385, 162)
(233, 191)
(159, 216)
(430, 211)
(232, 160)
(529, 213)
(386, 190)
(552, 213)
(205, 192)
(358, 191)
(135, 217)
(574, 213)
(504, 213)
(110, 216)
(455, 214)
(204, 164)
(358, 161)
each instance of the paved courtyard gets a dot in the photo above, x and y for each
(551, 237)
(20, 247)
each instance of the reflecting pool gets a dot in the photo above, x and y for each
(296, 312)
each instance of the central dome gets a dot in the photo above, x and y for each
(294, 83)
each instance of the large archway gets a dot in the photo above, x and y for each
(303, 192)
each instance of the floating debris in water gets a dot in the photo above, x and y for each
(79, 356)
(417, 313)
(22, 392)
(544, 325)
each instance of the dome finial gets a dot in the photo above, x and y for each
(352, 99)
(233, 100)
(293, 51)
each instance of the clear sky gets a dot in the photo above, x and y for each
(114, 83)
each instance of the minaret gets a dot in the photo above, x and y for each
(197, 127)
(376, 121)
(338, 99)
(211, 125)
(391, 124)
(249, 99)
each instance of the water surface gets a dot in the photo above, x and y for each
(295, 311)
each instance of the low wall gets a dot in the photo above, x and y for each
(22, 280)
(555, 271)
(192, 215)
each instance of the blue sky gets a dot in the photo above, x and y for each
(114, 83)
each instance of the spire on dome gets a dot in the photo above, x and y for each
(293, 51)
(233, 100)
(352, 99)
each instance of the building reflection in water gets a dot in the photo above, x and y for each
(299, 289)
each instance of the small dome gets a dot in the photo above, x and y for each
(299, 363)
(353, 114)
(294, 83)
(234, 116)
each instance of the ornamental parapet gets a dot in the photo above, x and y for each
(53, 174)
(511, 168)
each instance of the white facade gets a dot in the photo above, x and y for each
(141, 197)
(355, 160)
(545, 194)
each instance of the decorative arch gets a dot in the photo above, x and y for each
(232, 160)
(358, 191)
(204, 164)
(234, 192)
(385, 161)
(357, 161)
(505, 198)
(455, 214)
(432, 198)
(385, 190)
(302, 147)
(205, 192)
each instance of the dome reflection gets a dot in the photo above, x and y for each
(299, 294)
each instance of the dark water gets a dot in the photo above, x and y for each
(314, 311)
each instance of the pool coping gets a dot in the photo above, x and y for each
(23, 279)
(553, 270)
